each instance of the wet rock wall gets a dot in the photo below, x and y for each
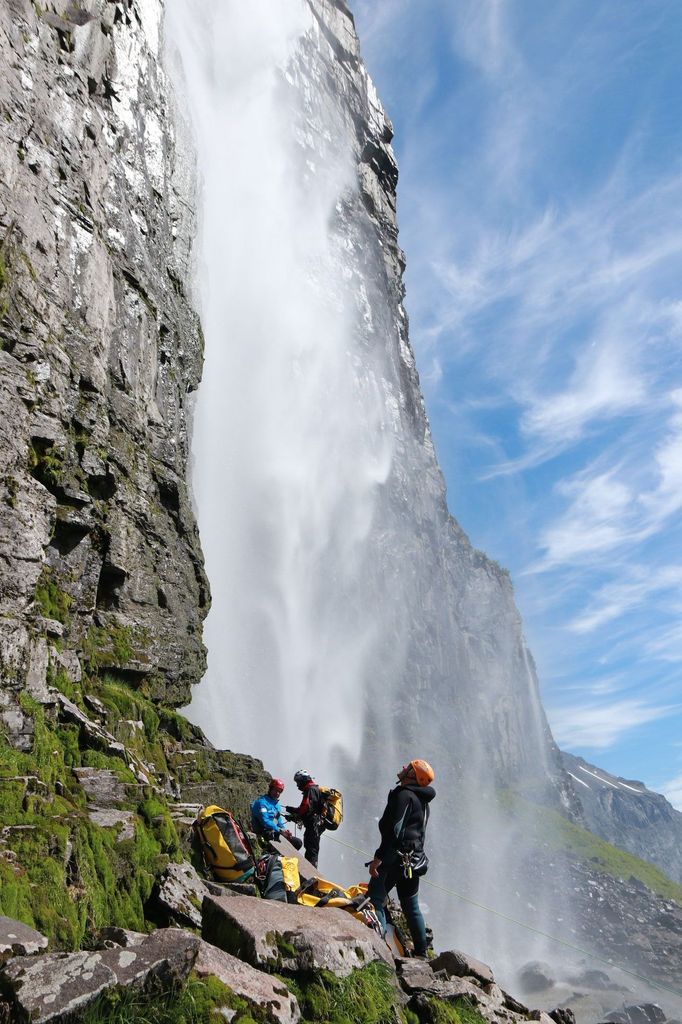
(100, 351)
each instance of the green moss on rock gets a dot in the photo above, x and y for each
(199, 1001)
(51, 599)
(113, 645)
(429, 1010)
(366, 996)
(65, 875)
(68, 876)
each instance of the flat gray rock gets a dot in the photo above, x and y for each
(461, 965)
(121, 936)
(17, 939)
(49, 988)
(417, 976)
(179, 895)
(256, 987)
(46, 988)
(285, 936)
(103, 788)
(164, 958)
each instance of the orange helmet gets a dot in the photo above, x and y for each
(423, 772)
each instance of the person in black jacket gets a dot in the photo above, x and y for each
(402, 827)
(309, 813)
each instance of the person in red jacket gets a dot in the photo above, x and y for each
(400, 859)
(309, 813)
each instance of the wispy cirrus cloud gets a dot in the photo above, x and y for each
(600, 725)
(617, 598)
(627, 503)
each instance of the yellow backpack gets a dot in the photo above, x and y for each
(290, 875)
(225, 848)
(332, 808)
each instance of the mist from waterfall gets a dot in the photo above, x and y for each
(341, 639)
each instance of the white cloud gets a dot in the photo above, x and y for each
(599, 726)
(626, 504)
(665, 643)
(666, 500)
(481, 36)
(602, 385)
(638, 587)
(595, 522)
(672, 790)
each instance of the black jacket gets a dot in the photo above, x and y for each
(403, 822)
(310, 806)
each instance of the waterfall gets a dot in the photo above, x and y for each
(290, 444)
(353, 627)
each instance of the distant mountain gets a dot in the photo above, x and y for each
(628, 815)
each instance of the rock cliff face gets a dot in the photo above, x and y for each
(100, 350)
(628, 815)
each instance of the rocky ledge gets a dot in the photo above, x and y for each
(258, 961)
(254, 960)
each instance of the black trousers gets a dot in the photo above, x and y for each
(311, 840)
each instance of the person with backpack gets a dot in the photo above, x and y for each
(309, 813)
(399, 860)
(267, 816)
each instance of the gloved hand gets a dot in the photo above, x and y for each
(290, 810)
(294, 840)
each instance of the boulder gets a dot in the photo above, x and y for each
(416, 977)
(421, 1005)
(540, 1015)
(50, 988)
(593, 979)
(460, 965)
(563, 1015)
(179, 894)
(47, 988)
(112, 935)
(514, 1005)
(164, 958)
(17, 939)
(535, 976)
(287, 937)
(497, 996)
(256, 987)
(68, 660)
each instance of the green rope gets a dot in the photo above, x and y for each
(530, 928)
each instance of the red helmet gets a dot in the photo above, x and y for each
(276, 784)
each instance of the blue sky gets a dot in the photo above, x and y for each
(540, 208)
